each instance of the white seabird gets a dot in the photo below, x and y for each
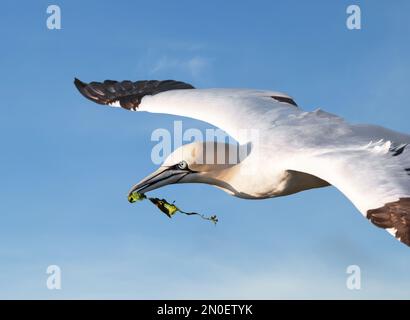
(297, 150)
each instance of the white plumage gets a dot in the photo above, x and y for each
(295, 150)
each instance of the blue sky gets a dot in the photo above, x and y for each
(67, 164)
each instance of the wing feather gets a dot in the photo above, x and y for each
(237, 111)
(373, 176)
(126, 94)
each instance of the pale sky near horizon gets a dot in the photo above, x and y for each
(67, 164)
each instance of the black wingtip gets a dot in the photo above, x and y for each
(79, 84)
(393, 215)
(82, 88)
(127, 93)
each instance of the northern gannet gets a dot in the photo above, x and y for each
(297, 150)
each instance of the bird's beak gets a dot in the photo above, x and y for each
(162, 177)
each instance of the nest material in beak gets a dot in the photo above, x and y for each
(169, 209)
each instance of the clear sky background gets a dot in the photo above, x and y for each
(67, 164)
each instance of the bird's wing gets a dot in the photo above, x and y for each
(235, 111)
(369, 164)
(374, 174)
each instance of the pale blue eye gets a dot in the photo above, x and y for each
(182, 165)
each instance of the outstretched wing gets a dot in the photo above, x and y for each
(375, 177)
(232, 110)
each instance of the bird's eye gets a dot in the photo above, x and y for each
(182, 165)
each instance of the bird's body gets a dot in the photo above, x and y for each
(292, 150)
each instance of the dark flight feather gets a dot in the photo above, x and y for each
(127, 93)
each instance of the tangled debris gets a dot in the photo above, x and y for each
(169, 209)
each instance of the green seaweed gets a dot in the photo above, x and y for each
(169, 209)
(135, 196)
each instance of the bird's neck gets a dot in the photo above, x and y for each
(251, 179)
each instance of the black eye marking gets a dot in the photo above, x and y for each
(398, 150)
(407, 170)
(182, 165)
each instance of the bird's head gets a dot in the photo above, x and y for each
(198, 162)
